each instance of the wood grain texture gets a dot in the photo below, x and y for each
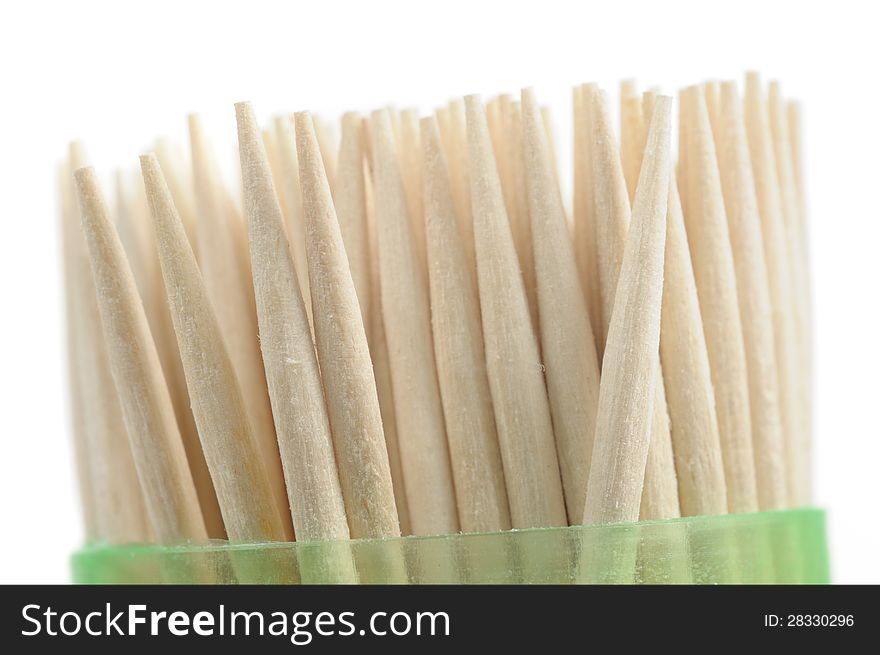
(686, 373)
(227, 279)
(156, 446)
(612, 220)
(73, 334)
(172, 163)
(660, 492)
(519, 397)
(571, 367)
(714, 271)
(119, 513)
(456, 155)
(630, 368)
(744, 226)
(162, 329)
(410, 164)
(343, 355)
(250, 509)
(475, 456)
(303, 427)
(351, 209)
(405, 305)
(382, 367)
(327, 144)
(633, 130)
(776, 248)
(611, 210)
(293, 206)
(583, 209)
(518, 202)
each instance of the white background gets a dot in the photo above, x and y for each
(118, 74)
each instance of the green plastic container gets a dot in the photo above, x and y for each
(766, 547)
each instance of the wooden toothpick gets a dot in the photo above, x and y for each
(303, 427)
(156, 446)
(584, 212)
(379, 354)
(249, 507)
(518, 202)
(458, 345)
(519, 397)
(630, 373)
(351, 208)
(714, 271)
(611, 209)
(422, 435)
(798, 262)
(81, 451)
(689, 394)
(118, 505)
(296, 230)
(343, 355)
(572, 370)
(612, 220)
(744, 226)
(778, 272)
(632, 134)
(231, 293)
(148, 276)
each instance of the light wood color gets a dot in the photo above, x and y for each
(611, 210)
(519, 397)
(351, 209)
(227, 280)
(304, 438)
(689, 393)
(343, 355)
(156, 446)
(712, 93)
(250, 508)
(149, 276)
(795, 137)
(633, 130)
(630, 369)
(456, 156)
(381, 365)
(410, 164)
(405, 305)
(327, 143)
(296, 230)
(612, 219)
(776, 247)
(660, 495)
(118, 505)
(571, 367)
(270, 145)
(458, 347)
(715, 274)
(795, 233)
(171, 161)
(584, 211)
(660, 491)
(120, 515)
(78, 411)
(627, 390)
(793, 114)
(744, 226)
(518, 202)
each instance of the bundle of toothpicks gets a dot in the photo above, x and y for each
(411, 331)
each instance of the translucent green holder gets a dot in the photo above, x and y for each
(767, 547)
